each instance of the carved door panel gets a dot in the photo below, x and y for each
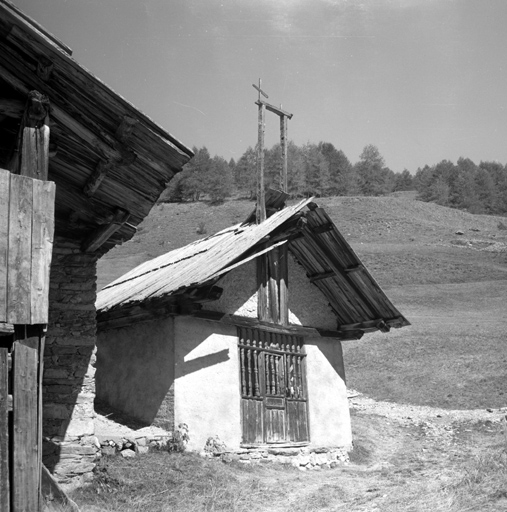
(272, 372)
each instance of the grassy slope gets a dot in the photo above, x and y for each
(451, 287)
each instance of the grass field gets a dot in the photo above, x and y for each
(446, 271)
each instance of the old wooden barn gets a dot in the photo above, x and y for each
(238, 335)
(80, 169)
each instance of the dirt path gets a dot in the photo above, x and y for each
(404, 458)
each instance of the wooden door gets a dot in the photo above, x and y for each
(273, 387)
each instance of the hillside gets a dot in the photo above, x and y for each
(401, 240)
(445, 269)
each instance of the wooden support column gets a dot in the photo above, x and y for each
(261, 194)
(262, 290)
(284, 187)
(273, 285)
(4, 431)
(32, 159)
(283, 271)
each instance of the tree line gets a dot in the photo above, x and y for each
(322, 170)
(313, 170)
(476, 188)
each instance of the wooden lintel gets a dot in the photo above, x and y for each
(275, 110)
(323, 275)
(102, 234)
(126, 128)
(283, 329)
(98, 175)
(11, 108)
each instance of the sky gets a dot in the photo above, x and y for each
(423, 80)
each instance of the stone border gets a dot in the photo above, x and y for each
(304, 458)
(131, 445)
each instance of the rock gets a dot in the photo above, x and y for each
(142, 450)
(459, 232)
(128, 453)
(108, 450)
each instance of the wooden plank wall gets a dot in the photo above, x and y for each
(26, 241)
(4, 432)
(25, 491)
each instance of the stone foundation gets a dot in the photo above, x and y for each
(70, 447)
(304, 458)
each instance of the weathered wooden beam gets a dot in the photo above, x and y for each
(324, 252)
(261, 199)
(323, 275)
(275, 110)
(43, 225)
(379, 324)
(203, 294)
(39, 33)
(103, 233)
(273, 285)
(98, 175)
(106, 149)
(283, 285)
(283, 144)
(4, 430)
(32, 157)
(254, 323)
(5, 184)
(19, 250)
(262, 290)
(323, 228)
(126, 128)
(26, 473)
(44, 68)
(12, 108)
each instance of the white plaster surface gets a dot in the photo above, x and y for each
(240, 292)
(207, 394)
(327, 393)
(135, 367)
(307, 305)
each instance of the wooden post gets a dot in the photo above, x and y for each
(29, 350)
(261, 200)
(32, 158)
(283, 145)
(283, 271)
(4, 432)
(26, 473)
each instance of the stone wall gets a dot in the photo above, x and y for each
(70, 447)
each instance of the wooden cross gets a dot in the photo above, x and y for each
(284, 116)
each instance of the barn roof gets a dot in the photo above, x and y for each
(105, 155)
(329, 261)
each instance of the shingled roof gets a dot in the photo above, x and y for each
(107, 158)
(315, 242)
